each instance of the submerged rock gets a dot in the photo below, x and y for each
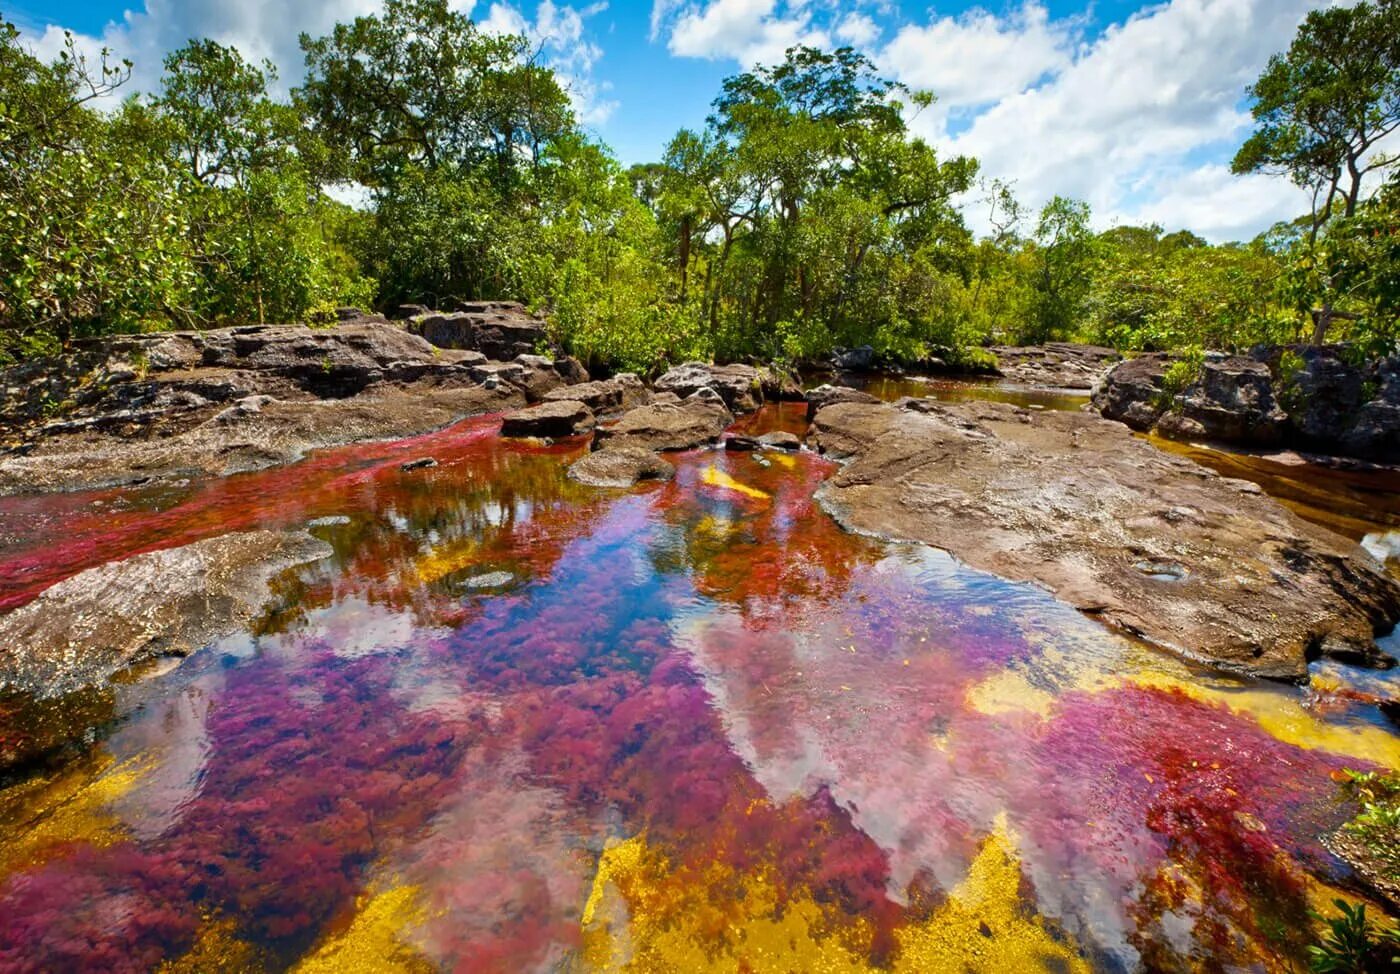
(1147, 541)
(685, 425)
(620, 467)
(162, 603)
(562, 417)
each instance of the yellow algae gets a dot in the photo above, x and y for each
(715, 477)
(46, 813)
(374, 939)
(986, 925)
(782, 459)
(643, 915)
(218, 950)
(449, 558)
(1009, 692)
(1283, 716)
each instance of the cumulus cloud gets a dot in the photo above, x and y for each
(748, 31)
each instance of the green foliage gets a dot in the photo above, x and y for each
(1353, 945)
(1181, 375)
(1377, 825)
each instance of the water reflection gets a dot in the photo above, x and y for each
(699, 728)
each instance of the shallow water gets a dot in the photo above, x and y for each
(518, 724)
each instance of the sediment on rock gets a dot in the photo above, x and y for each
(1149, 542)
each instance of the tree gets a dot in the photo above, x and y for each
(1322, 107)
(1063, 251)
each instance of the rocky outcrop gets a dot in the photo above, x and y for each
(826, 395)
(80, 631)
(558, 418)
(498, 329)
(742, 387)
(622, 391)
(695, 421)
(1055, 365)
(129, 408)
(1147, 541)
(1312, 398)
(620, 467)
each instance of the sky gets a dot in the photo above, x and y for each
(1135, 107)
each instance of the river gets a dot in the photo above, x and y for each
(514, 723)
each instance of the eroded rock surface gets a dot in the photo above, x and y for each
(498, 329)
(1145, 540)
(129, 408)
(1055, 365)
(162, 603)
(622, 391)
(742, 387)
(684, 425)
(826, 395)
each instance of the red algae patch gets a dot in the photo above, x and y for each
(516, 723)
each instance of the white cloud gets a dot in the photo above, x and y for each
(1143, 114)
(558, 33)
(978, 58)
(748, 31)
(858, 30)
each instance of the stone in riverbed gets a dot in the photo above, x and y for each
(620, 467)
(742, 387)
(162, 603)
(780, 440)
(669, 426)
(1079, 505)
(549, 419)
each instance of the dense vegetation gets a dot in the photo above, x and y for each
(803, 216)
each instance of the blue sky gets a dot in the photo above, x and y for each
(1136, 107)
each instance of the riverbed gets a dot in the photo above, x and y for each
(515, 723)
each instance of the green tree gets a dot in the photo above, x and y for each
(1321, 109)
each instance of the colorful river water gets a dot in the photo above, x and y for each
(518, 724)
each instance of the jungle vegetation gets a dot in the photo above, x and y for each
(802, 216)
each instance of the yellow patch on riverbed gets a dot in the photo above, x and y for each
(1008, 691)
(449, 558)
(1283, 715)
(985, 925)
(374, 940)
(715, 477)
(645, 914)
(44, 814)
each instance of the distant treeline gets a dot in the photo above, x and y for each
(803, 216)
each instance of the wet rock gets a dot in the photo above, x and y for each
(1077, 504)
(620, 467)
(557, 418)
(421, 463)
(741, 444)
(162, 603)
(1055, 365)
(622, 391)
(692, 422)
(501, 330)
(780, 440)
(487, 580)
(826, 395)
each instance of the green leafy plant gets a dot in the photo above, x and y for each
(1353, 945)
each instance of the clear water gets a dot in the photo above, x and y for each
(691, 726)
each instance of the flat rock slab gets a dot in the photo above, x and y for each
(669, 426)
(1055, 365)
(1147, 541)
(620, 467)
(558, 418)
(162, 603)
